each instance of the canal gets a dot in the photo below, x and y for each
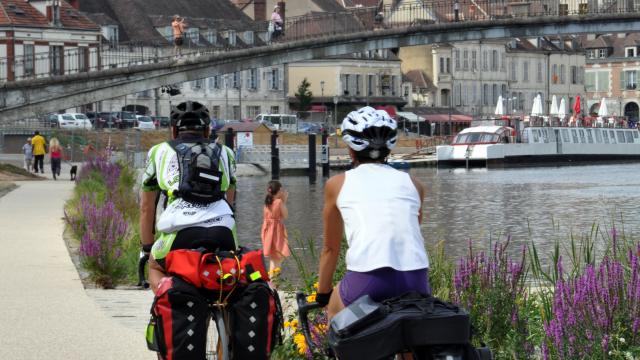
(479, 205)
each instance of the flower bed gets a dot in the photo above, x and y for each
(102, 216)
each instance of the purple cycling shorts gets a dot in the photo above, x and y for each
(382, 284)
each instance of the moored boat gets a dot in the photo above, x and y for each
(497, 145)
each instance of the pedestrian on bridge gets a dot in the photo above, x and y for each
(456, 10)
(27, 150)
(39, 149)
(275, 26)
(178, 25)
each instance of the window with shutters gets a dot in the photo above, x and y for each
(56, 60)
(503, 63)
(456, 58)
(344, 80)
(371, 84)
(252, 111)
(358, 84)
(525, 71)
(539, 73)
(252, 79)
(494, 60)
(514, 67)
(629, 79)
(273, 79)
(448, 65)
(443, 69)
(236, 80)
(562, 74)
(554, 74)
(485, 63)
(485, 94)
(465, 59)
(474, 63)
(574, 74)
(29, 60)
(495, 93)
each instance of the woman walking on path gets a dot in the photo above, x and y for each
(56, 157)
(274, 233)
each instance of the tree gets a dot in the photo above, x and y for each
(304, 96)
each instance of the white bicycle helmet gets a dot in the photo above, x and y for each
(368, 128)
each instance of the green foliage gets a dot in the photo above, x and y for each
(103, 217)
(304, 96)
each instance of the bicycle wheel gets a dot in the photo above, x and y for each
(217, 336)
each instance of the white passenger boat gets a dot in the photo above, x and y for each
(495, 145)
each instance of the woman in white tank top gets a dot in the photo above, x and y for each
(379, 209)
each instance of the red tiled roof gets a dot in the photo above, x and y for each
(21, 13)
(74, 19)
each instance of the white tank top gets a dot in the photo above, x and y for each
(379, 206)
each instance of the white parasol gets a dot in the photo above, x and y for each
(499, 106)
(562, 109)
(553, 111)
(603, 111)
(536, 109)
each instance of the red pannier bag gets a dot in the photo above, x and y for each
(220, 271)
(185, 264)
(252, 266)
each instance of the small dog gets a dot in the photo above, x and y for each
(74, 170)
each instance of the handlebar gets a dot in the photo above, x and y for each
(303, 312)
(142, 262)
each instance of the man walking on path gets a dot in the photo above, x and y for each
(39, 150)
(27, 150)
(178, 34)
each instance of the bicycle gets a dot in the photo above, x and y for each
(217, 347)
(432, 352)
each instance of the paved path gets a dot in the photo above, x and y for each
(44, 311)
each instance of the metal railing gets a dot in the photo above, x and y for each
(58, 62)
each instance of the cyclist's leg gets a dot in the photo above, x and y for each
(335, 302)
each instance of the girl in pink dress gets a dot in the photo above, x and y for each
(274, 235)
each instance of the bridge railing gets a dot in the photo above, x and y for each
(59, 62)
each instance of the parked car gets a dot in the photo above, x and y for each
(50, 120)
(82, 121)
(66, 121)
(309, 127)
(144, 123)
(127, 119)
(107, 120)
(161, 121)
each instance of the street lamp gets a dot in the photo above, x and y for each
(324, 108)
(335, 110)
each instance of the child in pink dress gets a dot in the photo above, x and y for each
(274, 235)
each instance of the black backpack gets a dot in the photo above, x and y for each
(200, 177)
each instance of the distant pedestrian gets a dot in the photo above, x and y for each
(178, 25)
(456, 10)
(39, 149)
(275, 242)
(276, 23)
(55, 151)
(27, 150)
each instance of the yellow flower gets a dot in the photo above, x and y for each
(312, 297)
(294, 323)
(301, 344)
(315, 285)
(322, 328)
(287, 324)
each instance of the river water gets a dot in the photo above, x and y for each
(479, 205)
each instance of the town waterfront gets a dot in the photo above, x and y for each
(479, 204)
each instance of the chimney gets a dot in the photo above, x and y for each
(75, 4)
(53, 13)
(260, 10)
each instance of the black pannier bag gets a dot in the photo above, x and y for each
(370, 330)
(256, 322)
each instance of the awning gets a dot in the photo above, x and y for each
(458, 118)
(409, 116)
(319, 108)
(390, 109)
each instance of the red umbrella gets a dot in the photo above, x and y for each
(576, 106)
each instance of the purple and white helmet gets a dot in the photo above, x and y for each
(368, 128)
